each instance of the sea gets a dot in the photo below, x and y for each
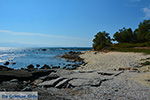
(22, 57)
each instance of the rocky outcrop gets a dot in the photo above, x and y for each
(6, 63)
(60, 84)
(45, 67)
(73, 56)
(30, 67)
(4, 68)
(51, 83)
(23, 74)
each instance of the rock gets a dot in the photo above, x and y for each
(110, 73)
(87, 82)
(75, 65)
(14, 80)
(79, 82)
(15, 74)
(51, 83)
(23, 75)
(55, 67)
(105, 73)
(45, 67)
(26, 82)
(87, 71)
(51, 76)
(77, 75)
(41, 72)
(4, 68)
(11, 86)
(37, 81)
(72, 56)
(71, 68)
(134, 64)
(37, 65)
(42, 78)
(27, 88)
(62, 83)
(43, 49)
(30, 66)
(6, 63)
(13, 63)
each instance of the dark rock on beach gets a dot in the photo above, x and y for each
(30, 66)
(10, 86)
(23, 75)
(62, 84)
(45, 67)
(37, 65)
(13, 63)
(4, 68)
(72, 56)
(6, 63)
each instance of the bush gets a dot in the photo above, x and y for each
(143, 32)
(101, 40)
(124, 36)
(146, 63)
(140, 35)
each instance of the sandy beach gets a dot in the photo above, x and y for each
(111, 60)
(96, 79)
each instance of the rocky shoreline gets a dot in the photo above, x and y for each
(63, 84)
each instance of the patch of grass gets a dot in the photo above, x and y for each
(146, 63)
(146, 51)
(132, 45)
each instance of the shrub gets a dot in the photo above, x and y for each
(143, 32)
(101, 40)
(146, 63)
(124, 36)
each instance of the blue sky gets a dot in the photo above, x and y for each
(66, 23)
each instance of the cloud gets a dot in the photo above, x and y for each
(41, 35)
(28, 39)
(146, 12)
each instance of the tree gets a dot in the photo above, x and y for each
(124, 36)
(143, 32)
(101, 40)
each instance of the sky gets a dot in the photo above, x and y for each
(66, 23)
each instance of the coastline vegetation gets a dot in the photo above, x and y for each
(126, 40)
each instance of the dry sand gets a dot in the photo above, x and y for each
(111, 60)
(114, 60)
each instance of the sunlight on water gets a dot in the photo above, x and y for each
(25, 56)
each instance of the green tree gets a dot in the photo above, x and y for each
(124, 36)
(142, 33)
(101, 40)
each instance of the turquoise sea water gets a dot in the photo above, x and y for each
(25, 56)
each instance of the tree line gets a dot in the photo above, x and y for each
(124, 35)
